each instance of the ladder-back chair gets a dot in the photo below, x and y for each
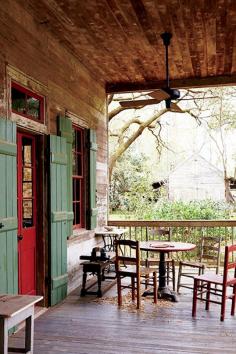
(217, 285)
(128, 265)
(209, 257)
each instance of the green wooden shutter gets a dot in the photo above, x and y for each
(92, 178)
(65, 130)
(58, 205)
(8, 208)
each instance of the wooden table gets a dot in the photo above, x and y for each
(13, 310)
(164, 248)
(110, 236)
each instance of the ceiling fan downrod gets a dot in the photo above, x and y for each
(166, 37)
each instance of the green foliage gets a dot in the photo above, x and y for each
(194, 210)
(131, 188)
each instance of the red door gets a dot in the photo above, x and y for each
(26, 204)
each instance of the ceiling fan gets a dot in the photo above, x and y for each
(166, 94)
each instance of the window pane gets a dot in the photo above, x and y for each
(27, 213)
(26, 103)
(27, 190)
(33, 107)
(26, 151)
(18, 101)
(78, 141)
(27, 174)
(79, 165)
(74, 162)
(77, 216)
(78, 190)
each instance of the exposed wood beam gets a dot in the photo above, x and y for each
(122, 87)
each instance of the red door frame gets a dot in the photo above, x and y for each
(29, 233)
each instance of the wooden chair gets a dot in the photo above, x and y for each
(209, 257)
(128, 265)
(206, 284)
(162, 234)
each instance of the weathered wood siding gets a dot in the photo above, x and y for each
(36, 59)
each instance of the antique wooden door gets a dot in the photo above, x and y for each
(26, 202)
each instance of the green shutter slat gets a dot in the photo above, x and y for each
(8, 224)
(59, 216)
(92, 178)
(58, 234)
(59, 281)
(59, 158)
(8, 208)
(7, 148)
(66, 131)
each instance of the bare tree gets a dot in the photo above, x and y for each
(138, 121)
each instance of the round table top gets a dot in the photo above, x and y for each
(166, 246)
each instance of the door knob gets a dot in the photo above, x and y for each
(19, 237)
(1, 225)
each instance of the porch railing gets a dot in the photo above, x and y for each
(181, 230)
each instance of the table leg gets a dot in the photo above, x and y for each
(3, 336)
(164, 291)
(29, 334)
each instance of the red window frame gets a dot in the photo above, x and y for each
(34, 95)
(78, 179)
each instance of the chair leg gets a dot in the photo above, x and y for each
(118, 279)
(207, 296)
(194, 307)
(146, 281)
(138, 293)
(155, 286)
(223, 303)
(233, 301)
(173, 273)
(133, 288)
(179, 277)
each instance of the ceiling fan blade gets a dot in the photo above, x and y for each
(138, 103)
(159, 95)
(175, 108)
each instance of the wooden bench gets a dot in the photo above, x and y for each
(13, 310)
(96, 265)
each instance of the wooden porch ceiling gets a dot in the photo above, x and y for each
(119, 40)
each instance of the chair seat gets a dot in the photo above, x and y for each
(193, 264)
(210, 277)
(157, 261)
(130, 269)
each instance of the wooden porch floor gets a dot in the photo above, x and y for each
(82, 325)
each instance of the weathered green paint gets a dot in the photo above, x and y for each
(58, 234)
(59, 281)
(58, 216)
(9, 224)
(92, 178)
(8, 208)
(65, 130)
